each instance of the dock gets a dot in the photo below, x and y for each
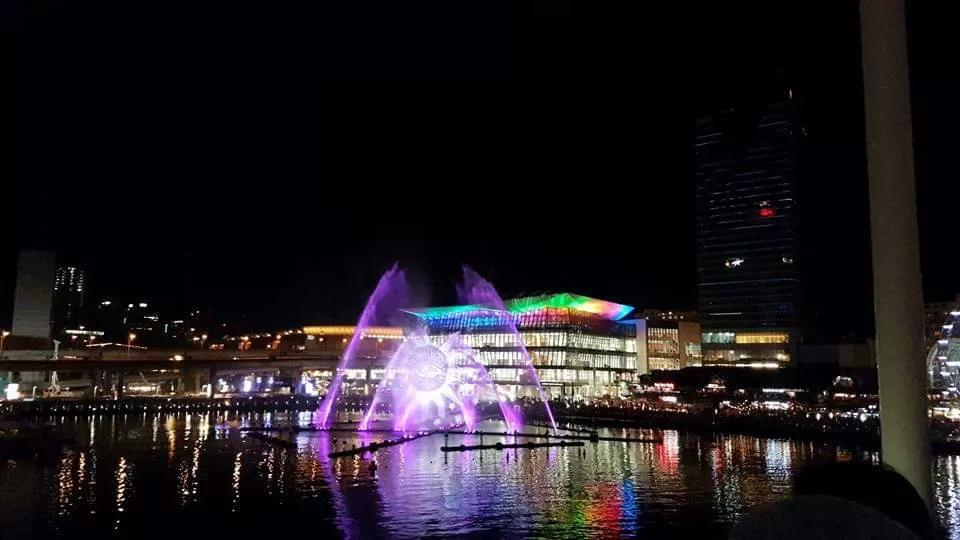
(286, 443)
(374, 446)
(592, 437)
(502, 446)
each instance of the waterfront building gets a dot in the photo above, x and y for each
(667, 343)
(688, 338)
(943, 356)
(69, 291)
(578, 346)
(747, 235)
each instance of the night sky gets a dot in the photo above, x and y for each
(270, 161)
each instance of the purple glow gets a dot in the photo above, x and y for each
(429, 382)
(478, 291)
(390, 293)
(437, 386)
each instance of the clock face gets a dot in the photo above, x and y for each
(427, 368)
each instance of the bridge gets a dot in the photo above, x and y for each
(167, 359)
(187, 371)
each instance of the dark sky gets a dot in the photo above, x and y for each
(271, 160)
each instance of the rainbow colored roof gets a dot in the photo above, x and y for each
(518, 306)
(608, 310)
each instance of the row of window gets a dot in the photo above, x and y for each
(557, 358)
(735, 356)
(547, 339)
(745, 338)
(654, 362)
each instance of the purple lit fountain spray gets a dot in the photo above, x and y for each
(390, 294)
(436, 386)
(478, 291)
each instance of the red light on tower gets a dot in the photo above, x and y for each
(767, 212)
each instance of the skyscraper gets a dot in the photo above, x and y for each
(69, 292)
(32, 299)
(747, 241)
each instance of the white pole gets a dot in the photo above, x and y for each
(898, 297)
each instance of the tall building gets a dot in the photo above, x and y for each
(34, 293)
(69, 291)
(747, 238)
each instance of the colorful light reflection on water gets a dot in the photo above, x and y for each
(170, 476)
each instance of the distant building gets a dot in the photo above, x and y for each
(688, 340)
(33, 297)
(667, 344)
(69, 291)
(747, 239)
(144, 323)
(666, 315)
(934, 315)
(107, 315)
(663, 345)
(943, 355)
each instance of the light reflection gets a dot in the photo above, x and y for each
(778, 458)
(603, 489)
(65, 487)
(171, 427)
(235, 487)
(124, 488)
(947, 488)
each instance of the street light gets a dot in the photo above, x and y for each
(3, 337)
(203, 338)
(130, 338)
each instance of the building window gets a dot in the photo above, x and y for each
(762, 337)
(718, 337)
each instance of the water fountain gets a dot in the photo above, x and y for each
(432, 382)
(433, 386)
(478, 291)
(390, 294)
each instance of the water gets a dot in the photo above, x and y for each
(176, 476)
(476, 290)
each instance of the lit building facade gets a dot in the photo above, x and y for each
(666, 344)
(663, 346)
(943, 357)
(577, 345)
(688, 341)
(747, 242)
(69, 292)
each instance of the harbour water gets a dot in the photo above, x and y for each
(200, 476)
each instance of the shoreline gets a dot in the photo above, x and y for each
(864, 437)
(52, 407)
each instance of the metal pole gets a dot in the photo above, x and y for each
(898, 297)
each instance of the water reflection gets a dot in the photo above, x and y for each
(947, 490)
(189, 466)
(124, 489)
